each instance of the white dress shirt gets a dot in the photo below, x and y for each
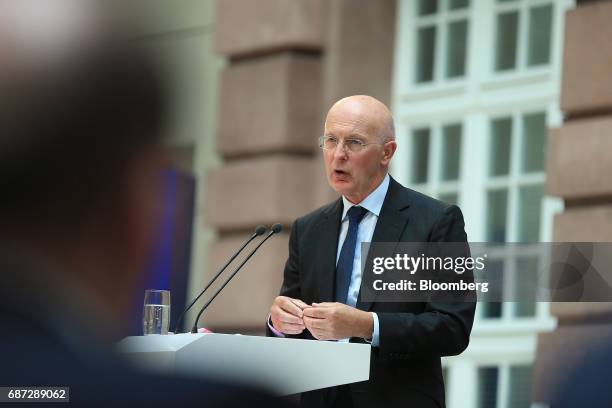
(373, 203)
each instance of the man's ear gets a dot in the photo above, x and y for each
(388, 152)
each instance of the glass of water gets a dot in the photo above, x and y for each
(156, 313)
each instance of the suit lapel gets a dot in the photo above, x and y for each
(326, 257)
(391, 223)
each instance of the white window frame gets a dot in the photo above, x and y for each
(512, 183)
(523, 7)
(408, 31)
(434, 185)
(473, 100)
(523, 74)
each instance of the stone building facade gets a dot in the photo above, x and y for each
(287, 62)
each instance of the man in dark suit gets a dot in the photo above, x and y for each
(319, 298)
(81, 118)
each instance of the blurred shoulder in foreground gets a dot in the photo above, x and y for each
(588, 383)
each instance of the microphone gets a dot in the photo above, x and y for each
(276, 228)
(259, 230)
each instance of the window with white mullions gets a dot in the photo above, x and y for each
(516, 177)
(435, 160)
(514, 204)
(504, 386)
(523, 35)
(501, 85)
(441, 39)
(514, 273)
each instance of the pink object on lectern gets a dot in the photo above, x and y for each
(203, 330)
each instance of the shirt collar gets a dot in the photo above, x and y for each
(373, 202)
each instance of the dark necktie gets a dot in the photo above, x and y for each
(344, 269)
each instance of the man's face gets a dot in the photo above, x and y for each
(354, 174)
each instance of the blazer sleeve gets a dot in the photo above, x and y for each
(442, 329)
(291, 278)
(291, 274)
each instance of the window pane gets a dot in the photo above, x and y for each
(506, 41)
(420, 155)
(534, 141)
(445, 378)
(458, 4)
(487, 387)
(491, 310)
(449, 198)
(499, 155)
(540, 24)
(426, 40)
(520, 386)
(525, 281)
(497, 201)
(456, 49)
(494, 274)
(530, 199)
(451, 151)
(427, 7)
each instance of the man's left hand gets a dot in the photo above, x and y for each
(334, 321)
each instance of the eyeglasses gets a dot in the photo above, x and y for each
(351, 145)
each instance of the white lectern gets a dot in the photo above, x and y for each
(284, 366)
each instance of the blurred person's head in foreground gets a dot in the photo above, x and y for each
(81, 109)
(81, 116)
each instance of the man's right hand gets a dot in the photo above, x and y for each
(286, 315)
